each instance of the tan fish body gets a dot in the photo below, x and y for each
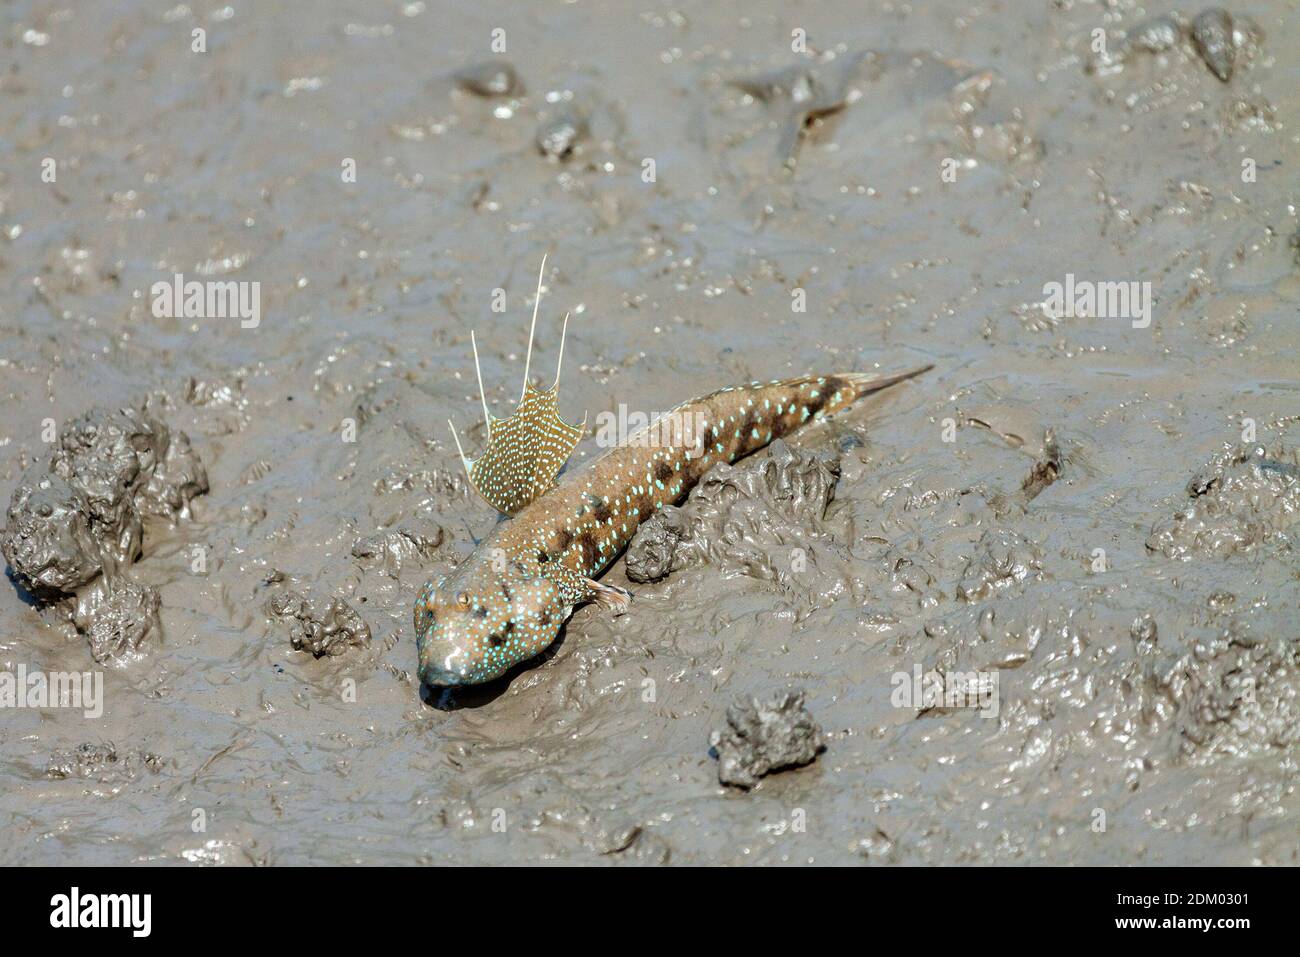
(508, 600)
(590, 516)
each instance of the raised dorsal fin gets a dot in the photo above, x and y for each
(527, 450)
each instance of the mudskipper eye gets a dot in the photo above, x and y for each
(463, 599)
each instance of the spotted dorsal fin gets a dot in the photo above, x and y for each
(527, 450)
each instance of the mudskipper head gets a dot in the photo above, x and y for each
(498, 609)
(483, 619)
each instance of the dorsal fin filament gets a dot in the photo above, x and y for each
(532, 329)
(525, 451)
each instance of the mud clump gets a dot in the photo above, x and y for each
(102, 762)
(1002, 559)
(656, 550)
(130, 455)
(877, 847)
(762, 737)
(1240, 697)
(1242, 499)
(81, 514)
(905, 576)
(325, 628)
(389, 551)
(117, 617)
(1156, 35)
(75, 523)
(49, 542)
(489, 80)
(800, 95)
(1047, 469)
(738, 515)
(558, 136)
(1212, 35)
(1221, 41)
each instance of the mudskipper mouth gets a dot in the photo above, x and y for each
(441, 677)
(440, 667)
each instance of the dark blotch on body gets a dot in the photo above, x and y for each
(589, 550)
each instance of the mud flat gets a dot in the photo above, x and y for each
(1090, 514)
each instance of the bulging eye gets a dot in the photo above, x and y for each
(463, 599)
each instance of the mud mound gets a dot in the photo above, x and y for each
(1245, 498)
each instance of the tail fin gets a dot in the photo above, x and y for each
(865, 383)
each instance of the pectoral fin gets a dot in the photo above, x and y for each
(616, 599)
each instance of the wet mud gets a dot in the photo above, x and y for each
(1040, 601)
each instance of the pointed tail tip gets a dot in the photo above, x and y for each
(868, 382)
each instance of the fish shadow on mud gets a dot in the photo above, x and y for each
(476, 696)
